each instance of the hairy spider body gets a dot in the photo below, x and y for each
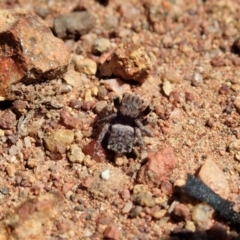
(125, 136)
(124, 127)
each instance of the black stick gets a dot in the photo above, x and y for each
(199, 190)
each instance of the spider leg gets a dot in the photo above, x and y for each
(147, 110)
(138, 137)
(108, 118)
(116, 101)
(100, 138)
(142, 128)
(136, 152)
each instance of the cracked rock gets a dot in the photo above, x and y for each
(159, 167)
(130, 62)
(28, 50)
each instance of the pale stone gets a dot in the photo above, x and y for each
(190, 226)
(202, 215)
(105, 175)
(85, 65)
(59, 140)
(214, 178)
(127, 207)
(75, 154)
(167, 88)
(159, 214)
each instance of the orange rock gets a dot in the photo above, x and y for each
(28, 50)
(8, 120)
(131, 62)
(69, 121)
(159, 166)
(111, 232)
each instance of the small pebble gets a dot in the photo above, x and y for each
(75, 154)
(167, 88)
(163, 222)
(4, 190)
(101, 45)
(11, 170)
(13, 150)
(110, 22)
(210, 122)
(190, 226)
(116, 85)
(125, 194)
(191, 122)
(238, 168)
(172, 76)
(13, 159)
(237, 156)
(85, 65)
(201, 215)
(173, 205)
(179, 183)
(234, 146)
(78, 135)
(235, 87)
(181, 212)
(88, 161)
(136, 211)
(161, 200)
(8, 120)
(1, 133)
(197, 79)
(19, 144)
(102, 92)
(75, 104)
(127, 207)
(145, 199)
(100, 107)
(32, 162)
(159, 214)
(105, 175)
(88, 96)
(27, 142)
(111, 232)
(94, 91)
(119, 160)
(167, 188)
(138, 188)
(59, 140)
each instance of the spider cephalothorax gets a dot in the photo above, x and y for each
(124, 127)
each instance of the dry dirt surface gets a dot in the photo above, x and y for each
(62, 63)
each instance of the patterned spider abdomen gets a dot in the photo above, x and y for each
(121, 138)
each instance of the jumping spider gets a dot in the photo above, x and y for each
(125, 126)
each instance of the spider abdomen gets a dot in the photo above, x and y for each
(121, 138)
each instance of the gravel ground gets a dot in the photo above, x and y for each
(181, 57)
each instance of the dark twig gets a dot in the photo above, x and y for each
(197, 189)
